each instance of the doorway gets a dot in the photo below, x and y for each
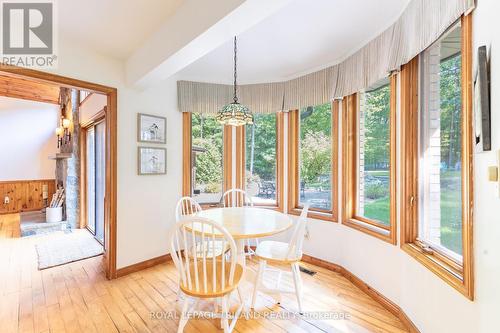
(109, 207)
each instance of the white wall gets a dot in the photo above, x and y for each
(27, 139)
(146, 204)
(92, 105)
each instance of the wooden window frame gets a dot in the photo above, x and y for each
(350, 124)
(241, 162)
(227, 158)
(294, 207)
(458, 275)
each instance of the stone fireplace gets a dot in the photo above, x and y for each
(68, 159)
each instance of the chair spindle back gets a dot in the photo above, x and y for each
(236, 198)
(297, 240)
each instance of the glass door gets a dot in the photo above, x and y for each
(100, 179)
(96, 178)
(90, 155)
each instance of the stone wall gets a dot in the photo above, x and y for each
(68, 169)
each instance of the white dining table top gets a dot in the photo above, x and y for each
(248, 222)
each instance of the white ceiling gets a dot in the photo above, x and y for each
(113, 27)
(305, 36)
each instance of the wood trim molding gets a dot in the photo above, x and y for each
(460, 277)
(335, 160)
(366, 288)
(467, 157)
(143, 265)
(280, 160)
(186, 154)
(240, 157)
(110, 214)
(350, 170)
(227, 158)
(16, 87)
(293, 162)
(409, 136)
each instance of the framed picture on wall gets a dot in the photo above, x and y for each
(151, 161)
(151, 129)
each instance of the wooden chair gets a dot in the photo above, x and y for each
(283, 253)
(186, 206)
(239, 198)
(201, 277)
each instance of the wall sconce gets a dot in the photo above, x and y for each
(63, 133)
(59, 133)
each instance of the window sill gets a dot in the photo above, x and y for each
(441, 268)
(272, 207)
(372, 230)
(312, 214)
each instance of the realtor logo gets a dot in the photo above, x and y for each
(28, 33)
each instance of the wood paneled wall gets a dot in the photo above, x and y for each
(24, 195)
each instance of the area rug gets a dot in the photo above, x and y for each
(64, 248)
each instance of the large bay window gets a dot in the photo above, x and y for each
(370, 160)
(206, 149)
(437, 157)
(312, 157)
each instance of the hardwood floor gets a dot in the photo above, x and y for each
(77, 298)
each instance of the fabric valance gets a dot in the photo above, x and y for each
(421, 23)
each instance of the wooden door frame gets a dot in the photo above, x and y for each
(110, 214)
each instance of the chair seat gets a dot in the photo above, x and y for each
(211, 292)
(275, 251)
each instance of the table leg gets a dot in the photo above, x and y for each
(248, 273)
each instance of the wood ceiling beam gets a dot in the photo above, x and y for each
(30, 90)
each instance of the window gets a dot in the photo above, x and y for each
(440, 204)
(370, 155)
(437, 140)
(263, 159)
(205, 146)
(313, 160)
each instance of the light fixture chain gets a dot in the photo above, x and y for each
(235, 97)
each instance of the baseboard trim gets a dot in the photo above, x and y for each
(143, 265)
(373, 293)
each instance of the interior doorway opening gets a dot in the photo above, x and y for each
(91, 207)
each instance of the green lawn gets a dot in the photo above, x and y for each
(377, 173)
(451, 215)
(378, 210)
(451, 219)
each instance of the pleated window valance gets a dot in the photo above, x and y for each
(421, 23)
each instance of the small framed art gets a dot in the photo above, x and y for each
(151, 161)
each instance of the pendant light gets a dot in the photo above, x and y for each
(235, 114)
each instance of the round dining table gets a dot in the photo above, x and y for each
(247, 223)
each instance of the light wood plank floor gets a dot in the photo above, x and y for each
(77, 298)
